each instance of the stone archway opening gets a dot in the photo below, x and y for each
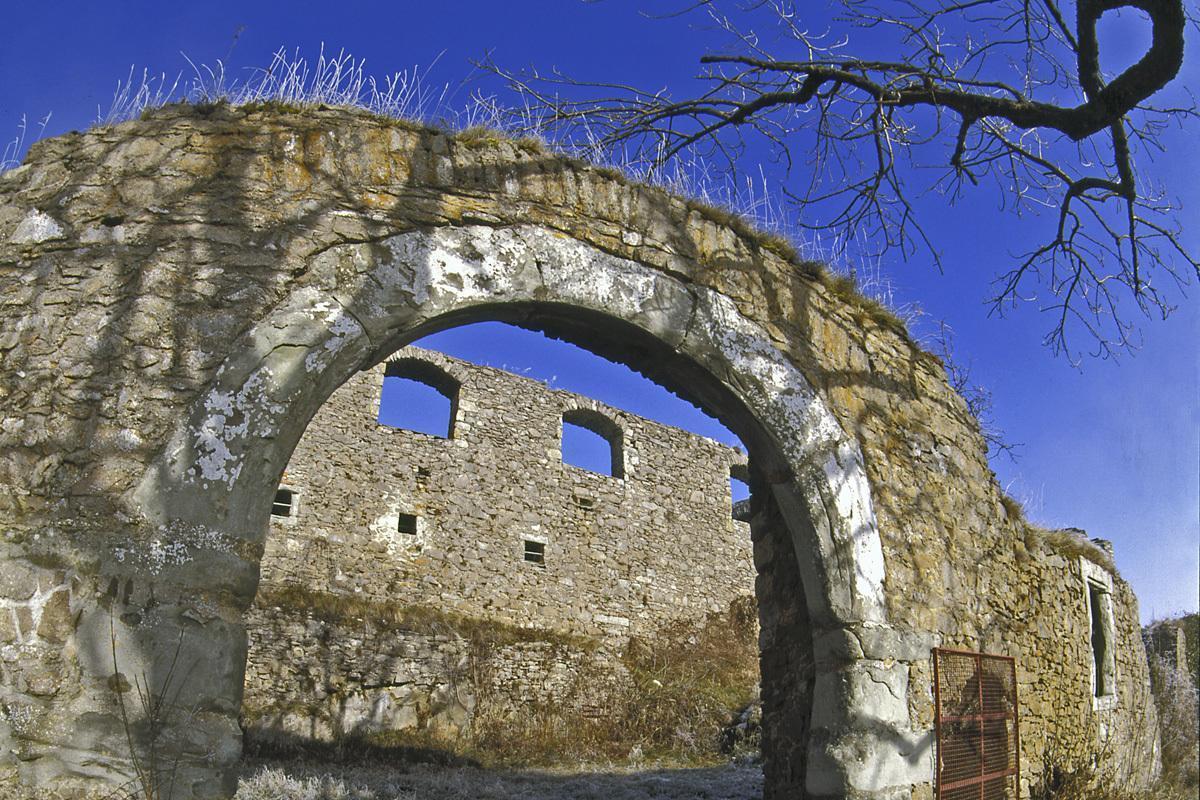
(436, 714)
(234, 443)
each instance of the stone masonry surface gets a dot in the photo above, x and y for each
(179, 295)
(622, 555)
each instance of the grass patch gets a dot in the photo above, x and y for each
(1070, 544)
(348, 609)
(484, 136)
(312, 781)
(393, 747)
(686, 683)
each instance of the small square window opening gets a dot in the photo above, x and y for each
(407, 523)
(281, 506)
(535, 552)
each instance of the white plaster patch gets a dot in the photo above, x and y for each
(451, 270)
(176, 544)
(852, 500)
(128, 439)
(254, 411)
(456, 267)
(36, 227)
(809, 435)
(782, 396)
(385, 529)
(342, 329)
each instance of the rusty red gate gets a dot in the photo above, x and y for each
(978, 740)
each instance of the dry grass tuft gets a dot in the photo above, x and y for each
(1070, 544)
(1013, 510)
(344, 609)
(275, 781)
(484, 136)
(1178, 704)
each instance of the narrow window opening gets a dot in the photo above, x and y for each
(1102, 658)
(593, 442)
(407, 523)
(281, 506)
(535, 552)
(739, 492)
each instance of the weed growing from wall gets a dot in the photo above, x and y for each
(155, 712)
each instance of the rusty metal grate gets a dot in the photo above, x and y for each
(978, 741)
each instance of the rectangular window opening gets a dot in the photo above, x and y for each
(1102, 661)
(535, 552)
(281, 506)
(407, 523)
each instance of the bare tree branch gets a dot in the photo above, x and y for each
(1010, 91)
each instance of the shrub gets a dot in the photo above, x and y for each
(1176, 698)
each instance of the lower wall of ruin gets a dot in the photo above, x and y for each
(322, 667)
(321, 672)
(1065, 728)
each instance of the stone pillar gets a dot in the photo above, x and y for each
(785, 658)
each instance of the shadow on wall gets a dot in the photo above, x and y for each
(675, 695)
(149, 340)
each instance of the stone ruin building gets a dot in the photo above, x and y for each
(491, 523)
(182, 293)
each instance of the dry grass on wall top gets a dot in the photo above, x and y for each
(1067, 543)
(1071, 545)
(842, 286)
(347, 610)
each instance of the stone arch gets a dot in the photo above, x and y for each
(237, 264)
(604, 427)
(237, 438)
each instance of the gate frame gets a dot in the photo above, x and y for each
(1015, 716)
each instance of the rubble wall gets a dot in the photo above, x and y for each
(182, 293)
(623, 555)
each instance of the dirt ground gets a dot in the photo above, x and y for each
(298, 780)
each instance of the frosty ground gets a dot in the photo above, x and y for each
(298, 780)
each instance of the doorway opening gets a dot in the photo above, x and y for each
(530, 610)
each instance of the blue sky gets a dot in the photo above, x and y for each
(1113, 448)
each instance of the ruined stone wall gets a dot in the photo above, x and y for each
(179, 295)
(624, 555)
